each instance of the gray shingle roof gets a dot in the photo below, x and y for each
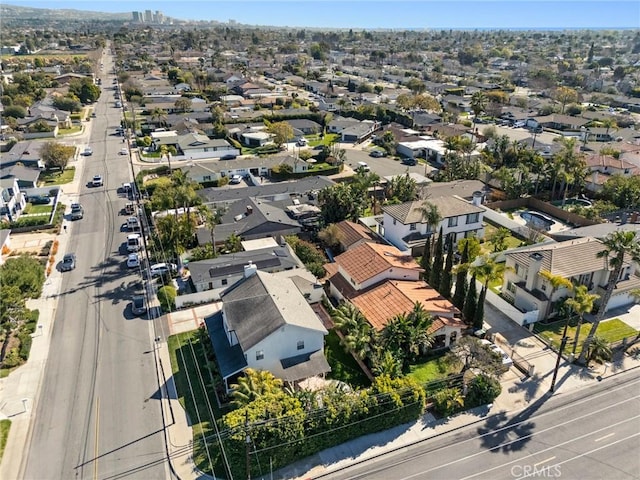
(409, 212)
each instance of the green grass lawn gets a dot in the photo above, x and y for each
(611, 330)
(343, 365)
(47, 178)
(192, 396)
(69, 131)
(328, 139)
(38, 209)
(5, 426)
(435, 368)
(488, 247)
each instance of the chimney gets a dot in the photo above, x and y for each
(477, 198)
(250, 269)
(534, 269)
(249, 209)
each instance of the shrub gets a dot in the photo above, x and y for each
(54, 248)
(167, 297)
(448, 401)
(482, 390)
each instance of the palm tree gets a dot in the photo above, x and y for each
(431, 215)
(356, 330)
(617, 246)
(598, 349)
(489, 271)
(254, 384)
(556, 282)
(608, 123)
(211, 218)
(159, 116)
(581, 303)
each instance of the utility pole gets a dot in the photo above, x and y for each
(247, 443)
(562, 345)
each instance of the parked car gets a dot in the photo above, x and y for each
(88, 152)
(159, 269)
(138, 305)
(133, 260)
(77, 212)
(124, 151)
(133, 224)
(377, 154)
(235, 179)
(363, 166)
(133, 242)
(39, 200)
(68, 262)
(408, 161)
(97, 181)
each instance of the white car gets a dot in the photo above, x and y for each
(235, 179)
(97, 181)
(88, 152)
(159, 269)
(124, 151)
(133, 260)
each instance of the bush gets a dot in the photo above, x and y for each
(448, 401)
(167, 298)
(482, 390)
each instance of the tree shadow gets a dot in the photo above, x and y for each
(501, 434)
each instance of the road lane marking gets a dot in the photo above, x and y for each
(544, 461)
(522, 458)
(95, 448)
(591, 451)
(606, 436)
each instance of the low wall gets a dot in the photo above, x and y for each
(198, 298)
(535, 204)
(521, 318)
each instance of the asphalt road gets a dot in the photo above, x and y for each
(99, 413)
(384, 166)
(591, 434)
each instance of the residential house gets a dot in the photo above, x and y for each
(384, 282)
(352, 234)
(12, 200)
(304, 126)
(561, 122)
(404, 225)
(575, 260)
(251, 218)
(603, 167)
(267, 324)
(27, 177)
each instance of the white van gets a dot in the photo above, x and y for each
(133, 224)
(363, 166)
(133, 242)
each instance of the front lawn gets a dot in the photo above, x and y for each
(435, 368)
(612, 330)
(38, 209)
(69, 131)
(328, 139)
(56, 177)
(343, 365)
(5, 426)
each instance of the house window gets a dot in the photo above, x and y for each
(207, 178)
(394, 221)
(543, 287)
(517, 269)
(511, 287)
(473, 218)
(224, 281)
(259, 354)
(300, 345)
(412, 226)
(453, 221)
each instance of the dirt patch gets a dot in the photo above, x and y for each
(30, 243)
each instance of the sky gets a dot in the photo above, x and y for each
(363, 14)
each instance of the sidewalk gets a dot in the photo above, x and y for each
(19, 391)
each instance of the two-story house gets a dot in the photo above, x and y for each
(576, 260)
(405, 226)
(383, 282)
(12, 200)
(267, 324)
(602, 167)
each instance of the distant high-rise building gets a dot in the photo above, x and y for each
(148, 16)
(137, 17)
(158, 17)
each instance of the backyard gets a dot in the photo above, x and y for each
(435, 368)
(56, 177)
(343, 365)
(487, 245)
(612, 331)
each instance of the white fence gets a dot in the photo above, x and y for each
(521, 318)
(198, 298)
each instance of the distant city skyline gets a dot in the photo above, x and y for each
(362, 14)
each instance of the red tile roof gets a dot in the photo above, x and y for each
(367, 260)
(353, 233)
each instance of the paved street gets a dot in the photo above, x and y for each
(98, 414)
(591, 434)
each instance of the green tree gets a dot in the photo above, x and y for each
(387, 364)
(470, 301)
(557, 282)
(473, 247)
(447, 274)
(401, 188)
(470, 354)
(581, 303)
(462, 283)
(282, 132)
(56, 155)
(184, 104)
(356, 330)
(331, 236)
(482, 389)
(338, 203)
(211, 217)
(167, 298)
(430, 215)
(24, 273)
(616, 246)
(622, 191)
(448, 401)
(478, 106)
(85, 90)
(426, 261)
(597, 349)
(438, 258)
(233, 243)
(254, 384)
(565, 95)
(499, 239)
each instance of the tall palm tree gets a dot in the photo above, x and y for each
(159, 116)
(608, 123)
(581, 303)
(616, 246)
(431, 215)
(356, 330)
(478, 105)
(556, 282)
(211, 218)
